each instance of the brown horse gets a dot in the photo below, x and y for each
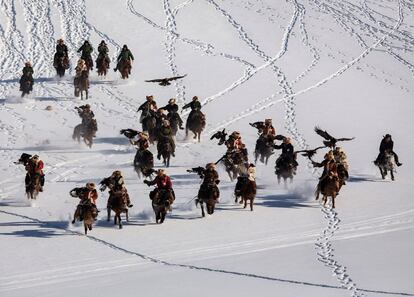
(124, 68)
(102, 65)
(61, 64)
(88, 132)
(81, 84)
(26, 84)
(144, 163)
(162, 201)
(208, 194)
(245, 189)
(33, 188)
(117, 203)
(330, 188)
(165, 150)
(88, 218)
(233, 164)
(196, 124)
(264, 149)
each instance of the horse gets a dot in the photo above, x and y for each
(330, 188)
(61, 64)
(196, 124)
(233, 164)
(117, 202)
(387, 164)
(285, 169)
(164, 149)
(87, 131)
(26, 84)
(85, 211)
(246, 189)
(208, 194)
(102, 65)
(174, 122)
(162, 201)
(81, 84)
(149, 124)
(33, 187)
(342, 173)
(144, 163)
(264, 149)
(124, 68)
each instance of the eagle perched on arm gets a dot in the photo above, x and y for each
(330, 141)
(165, 81)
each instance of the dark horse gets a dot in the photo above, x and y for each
(124, 68)
(264, 148)
(196, 124)
(87, 131)
(117, 202)
(285, 169)
(164, 149)
(33, 182)
(387, 164)
(102, 64)
(174, 122)
(234, 164)
(162, 201)
(245, 190)
(149, 123)
(81, 84)
(144, 163)
(208, 194)
(86, 211)
(26, 84)
(61, 64)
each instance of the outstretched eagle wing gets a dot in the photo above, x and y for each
(156, 80)
(346, 139)
(175, 77)
(324, 134)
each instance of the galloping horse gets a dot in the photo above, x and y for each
(61, 64)
(162, 201)
(86, 131)
(196, 124)
(117, 202)
(208, 194)
(82, 84)
(264, 149)
(144, 163)
(331, 189)
(165, 150)
(245, 189)
(387, 164)
(102, 65)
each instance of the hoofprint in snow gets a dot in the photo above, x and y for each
(346, 66)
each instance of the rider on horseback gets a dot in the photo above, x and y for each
(34, 168)
(172, 109)
(160, 117)
(148, 109)
(124, 56)
(116, 184)
(195, 106)
(87, 196)
(27, 77)
(85, 113)
(165, 134)
(387, 145)
(61, 52)
(341, 161)
(86, 50)
(102, 54)
(287, 156)
(163, 182)
(235, 145)
(211, 179)
(329, 171)
(250, 174)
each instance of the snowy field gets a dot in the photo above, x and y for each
(345, 65)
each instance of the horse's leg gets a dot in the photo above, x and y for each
(202, 209)
(333, 200)
(157, 216)
(278, 179)
(382, 173)
(87, 93)
(119, 220)
(109, 214)
(230, 176)
(251, 204)
(126, 215)
(245, 202)
(392, 174)
(85, 227)
(199, 136)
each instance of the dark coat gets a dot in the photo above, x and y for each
(62, 49)
(195, 105)
(125, 55)
(86, 50)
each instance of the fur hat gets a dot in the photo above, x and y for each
(287, 140)
(60, 40)
(236, 134)
(210, 165)
(81, 62)
(28, 64)
(166, 122)
(87, 106)
(329, 155)
(161, 172)
(90, 186)
(387, 136)
(160, 110)
(116, 173)
(171, 101)
(268, 121)
(150, 97)
(143, 135)
(35, 157)
(195, 98)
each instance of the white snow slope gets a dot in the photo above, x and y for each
(345, 65)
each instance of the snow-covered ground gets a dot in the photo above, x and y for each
(346, 66)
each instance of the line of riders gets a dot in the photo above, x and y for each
(83, 65)
(335, 173)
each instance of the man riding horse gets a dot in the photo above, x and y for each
(88, 196)
(102, 55)
(26, 80)
(329, 171)
(87, 50)
(34, 168)
(235, 145)
(195, 106)
(61, 54)
(386, 146)
(125, 56)
(287, 157)
(116, 184)
(173, 116)
(86, 114)
(148, 109)
(165, 135)
(163, 183)
(210, 180)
